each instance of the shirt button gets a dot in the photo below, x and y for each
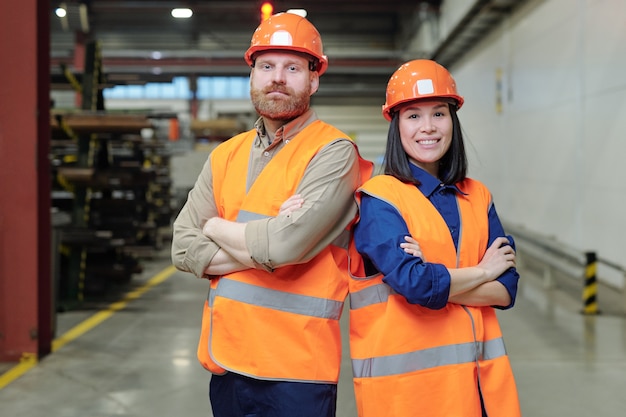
(266, 153)
(287, 141)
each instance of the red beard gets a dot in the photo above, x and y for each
(284, 108)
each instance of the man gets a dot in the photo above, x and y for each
(270, 331)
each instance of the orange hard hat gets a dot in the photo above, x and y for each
(421, 78)
(290, 32)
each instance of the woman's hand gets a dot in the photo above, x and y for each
(290, 205)
(412, 247)
(499, 257)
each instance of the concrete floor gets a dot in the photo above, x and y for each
(140, 361)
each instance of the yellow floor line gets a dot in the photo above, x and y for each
(29, 360)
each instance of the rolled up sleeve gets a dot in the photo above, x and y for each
(191, 250)
(378, 235)
(327, 189)
(510, 277)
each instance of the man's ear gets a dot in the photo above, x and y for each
(315, 81)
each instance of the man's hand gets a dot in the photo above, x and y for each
(230, 236)
(290, 205)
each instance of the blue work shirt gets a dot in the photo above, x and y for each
(381, 229)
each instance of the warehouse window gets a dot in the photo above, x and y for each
(223, 87)
(208, 88)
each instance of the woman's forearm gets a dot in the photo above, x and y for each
(491, 293)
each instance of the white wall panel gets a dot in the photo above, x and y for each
(554, 158)
(604, 149)
(604, 155)
(546, 73)
(548, 170)
(604, 46)
(537, 19)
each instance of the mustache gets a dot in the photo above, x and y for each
(277, 88)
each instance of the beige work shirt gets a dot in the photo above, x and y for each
(327, 188)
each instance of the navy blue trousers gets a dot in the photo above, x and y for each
(234, 395)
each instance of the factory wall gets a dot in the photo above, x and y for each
(545, 117)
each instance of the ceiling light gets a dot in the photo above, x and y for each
(266, 10)
(182, 13)
(61, 12)
(84, 17)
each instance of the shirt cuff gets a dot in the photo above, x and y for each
(441, 287)
(257, 242)
(204, 250)
(509, 279)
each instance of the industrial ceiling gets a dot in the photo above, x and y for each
(365, 41)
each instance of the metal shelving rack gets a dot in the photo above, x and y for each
(113, 182)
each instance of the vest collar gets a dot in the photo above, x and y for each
(428, 183)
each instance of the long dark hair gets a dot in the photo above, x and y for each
(452, 166)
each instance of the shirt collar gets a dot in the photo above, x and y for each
(428, 183)
(286, 132)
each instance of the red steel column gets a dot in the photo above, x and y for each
(25, 276)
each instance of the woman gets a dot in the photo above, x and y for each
(425, 340)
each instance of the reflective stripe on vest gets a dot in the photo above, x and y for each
(246, 216)
(420, 359)
(374, 294)
(428, 358)
(277, 300)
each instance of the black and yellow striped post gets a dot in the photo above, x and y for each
(590, 291)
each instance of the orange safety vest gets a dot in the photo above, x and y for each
(410, 360)
(281, 325)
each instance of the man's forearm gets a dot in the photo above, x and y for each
(223, 263)
(230, 236)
